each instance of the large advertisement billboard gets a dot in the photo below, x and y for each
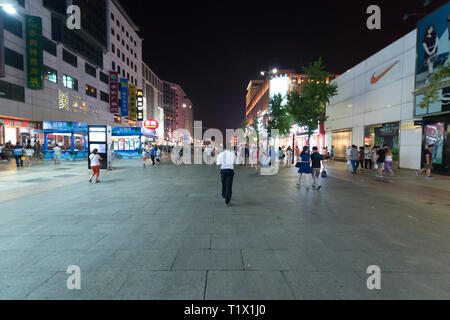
(280, 85)
(433, 38)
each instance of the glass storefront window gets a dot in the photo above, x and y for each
(434, 134)
(384, 134)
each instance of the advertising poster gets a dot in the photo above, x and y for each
(432, 45)
(124, 97)
(434, 134)
(140, 105)
(388, 134)
(34, 52)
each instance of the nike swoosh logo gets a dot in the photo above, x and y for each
(376, 79)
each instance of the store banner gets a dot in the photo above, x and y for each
(2, 49)
(140, 105)
(114, 92)
(33, 27)
(133, 101)
(124, 97)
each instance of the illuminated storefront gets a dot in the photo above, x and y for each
(17, 130)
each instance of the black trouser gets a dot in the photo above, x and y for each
(360, 162)
(368, 161)
(153, 159)
(227, 184)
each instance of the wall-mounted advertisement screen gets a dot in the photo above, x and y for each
(280, 85)
(101, 148)
(433, 39)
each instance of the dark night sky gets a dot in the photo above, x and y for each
(212, 49)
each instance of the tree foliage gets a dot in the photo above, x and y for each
(279, 118)
(307, 107)
(431, 94)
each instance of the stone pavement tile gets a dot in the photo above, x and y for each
(78, 242)
(59, 260)
(59, 229)
(294, 241)
(339, 261)
(114, 228)
(164, 285)
(261, 260)
(415, 286)
(294, 259)
(120, 242)
(193, 260)
(13, 229)
(21, 243)
(163, 228)
(247, 285)
(214, 228)
(329, 286)
(353, 243)
(105, 210)
(182, 208)
(427, 262)
(239, 241)
(17, 285)
(100, 285)
(157, 241)
(161, 218)
(130, 260)
(17, 261)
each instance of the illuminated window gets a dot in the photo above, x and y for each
(70, 82)
(50, 74)
(91, 91)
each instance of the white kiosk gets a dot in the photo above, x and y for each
(99, 137)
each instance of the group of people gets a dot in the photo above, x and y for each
(379, 158)
(153, 152)
(21, 153)
(311, 164)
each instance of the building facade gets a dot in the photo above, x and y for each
(124, 54)
(153, 98)
(374, 105)
(178, 110)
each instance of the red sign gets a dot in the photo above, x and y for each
(114, 92)
(151, 124)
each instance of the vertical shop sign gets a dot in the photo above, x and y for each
(34, 52)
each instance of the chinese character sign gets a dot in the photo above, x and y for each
(133, 101)
(140, 105)
(124, 97)
(34, 52)
(114, 92)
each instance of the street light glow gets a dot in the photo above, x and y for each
(275, 71)
(9, 9)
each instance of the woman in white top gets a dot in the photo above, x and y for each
(29, 152)
(95, 159)
(158, 155)
(288, 158)
(388, 161)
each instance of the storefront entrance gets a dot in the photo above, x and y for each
(341, 140)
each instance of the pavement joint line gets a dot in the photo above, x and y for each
(206, 285)
(288, 285)
(40, 285)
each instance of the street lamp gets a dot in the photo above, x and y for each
(270, 73)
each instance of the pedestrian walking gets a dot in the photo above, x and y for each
(18, 154)
(373, 154)
(388, 161)
(427, 161)
(332, 153)
(57, 151)
(348, 155)
(361, 158)
(158, 155)
(281, 155)
(317, 161)
(288, 158)
(381, 159)
(3, 153)
(95, 165)
(225, 161)
(153, 154)
(354, 156)
(144, 158)
(253, 158)
(367, 158)
(29, 153)
(305, 167)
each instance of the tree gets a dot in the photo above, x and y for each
(245, 122)
(279, 118)
(431, 94)
(254, 126)
(307, 106)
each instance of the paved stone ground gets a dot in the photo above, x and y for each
(164, 233)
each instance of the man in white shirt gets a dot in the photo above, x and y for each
(57, 150)
(226, 161)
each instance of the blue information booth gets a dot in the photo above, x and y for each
(128, 141)
(70, 136)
